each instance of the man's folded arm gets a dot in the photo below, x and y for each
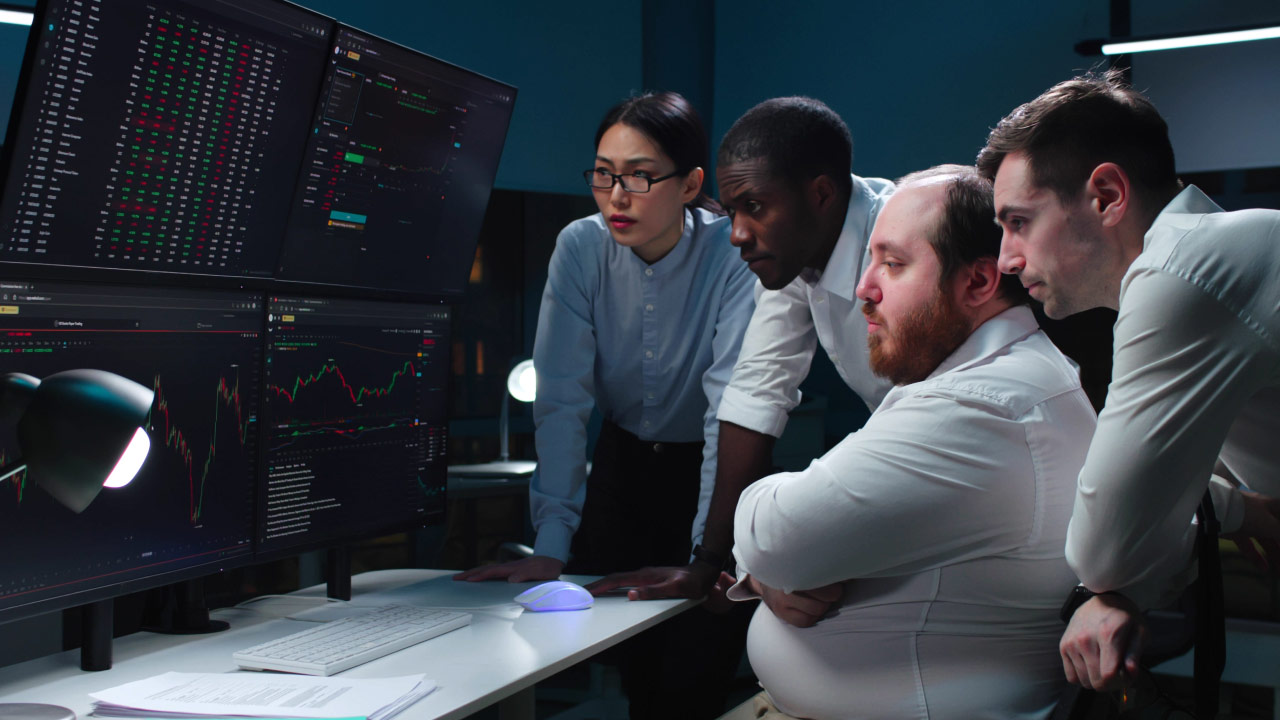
(906, 493)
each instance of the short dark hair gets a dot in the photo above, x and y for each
(1081, 123)
(966, 231)
(799, 138)
(672, 123)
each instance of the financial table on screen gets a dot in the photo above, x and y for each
(164, 137)
(192, 501)
(355, 397)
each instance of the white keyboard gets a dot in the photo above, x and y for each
(336, 646)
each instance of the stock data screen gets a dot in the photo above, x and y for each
(161, 135)
(396, 176)
(354, 413)
(191, 504)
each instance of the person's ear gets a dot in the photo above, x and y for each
(1109, 193)
(977, 283)
(822, 193)
(692, 185)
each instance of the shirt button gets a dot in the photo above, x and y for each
(647, 423)
(819, 300)
(648, 272)
(649, 395)
(648, 308)
(834, 357)
(648, 354)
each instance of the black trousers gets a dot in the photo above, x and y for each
(641, 501)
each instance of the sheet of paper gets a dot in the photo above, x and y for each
(264, 694)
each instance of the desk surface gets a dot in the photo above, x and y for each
(474, 667)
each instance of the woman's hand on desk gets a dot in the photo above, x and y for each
(538, 567)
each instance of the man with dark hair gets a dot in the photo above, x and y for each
(936, 530)
(1094, 216)
(801, 222)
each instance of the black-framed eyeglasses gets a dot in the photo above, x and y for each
(601, 179)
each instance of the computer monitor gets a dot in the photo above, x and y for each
(247, 139)
(159, 135)
(354, 412)
(399, 164)
(189, 511)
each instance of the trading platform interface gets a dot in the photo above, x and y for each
(191, 504)
(397, 172)
(355, 407)
(161, 136)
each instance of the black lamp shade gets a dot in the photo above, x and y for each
(76, 428)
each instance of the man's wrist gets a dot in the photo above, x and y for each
(1079, 596)
(702, 554)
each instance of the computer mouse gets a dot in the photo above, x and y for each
(555, 595)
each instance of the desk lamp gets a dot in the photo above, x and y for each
(522, 385)
(79, 431)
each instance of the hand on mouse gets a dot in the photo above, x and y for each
(538, 567)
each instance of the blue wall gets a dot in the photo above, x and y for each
(13, 40)
(919, 83)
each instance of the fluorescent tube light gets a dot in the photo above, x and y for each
(1125, 46)
(17, 17)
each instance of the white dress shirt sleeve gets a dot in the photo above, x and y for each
(563, 356)
(736, 305)
(776, 354)
(906, 493)
(1184, 364)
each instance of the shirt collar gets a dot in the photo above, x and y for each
(1191, 201)
(844, 267)
(675, 259)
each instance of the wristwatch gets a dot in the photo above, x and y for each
(710, 557)
(1079, 596)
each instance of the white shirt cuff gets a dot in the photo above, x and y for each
(751, 413)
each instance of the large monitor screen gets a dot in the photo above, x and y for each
(398, 169)
(161, 135)
(190, 508)
(245, 139)
(354, 417)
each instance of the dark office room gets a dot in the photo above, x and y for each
(695, 359)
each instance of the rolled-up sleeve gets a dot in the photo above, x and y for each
(776, 354)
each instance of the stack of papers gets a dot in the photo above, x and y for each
(264, 695)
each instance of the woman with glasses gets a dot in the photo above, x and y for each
(642, 318)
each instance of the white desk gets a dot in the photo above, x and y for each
(492, 660)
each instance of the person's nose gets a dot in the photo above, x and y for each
(868, 289)
(619, 197)
(1011, 260)
(739, 235)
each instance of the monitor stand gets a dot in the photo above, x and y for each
(338, 572)
(179, 609)
(96, 626)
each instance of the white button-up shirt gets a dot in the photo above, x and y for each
(946, 514)
(1196, 373)
(817, 307)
